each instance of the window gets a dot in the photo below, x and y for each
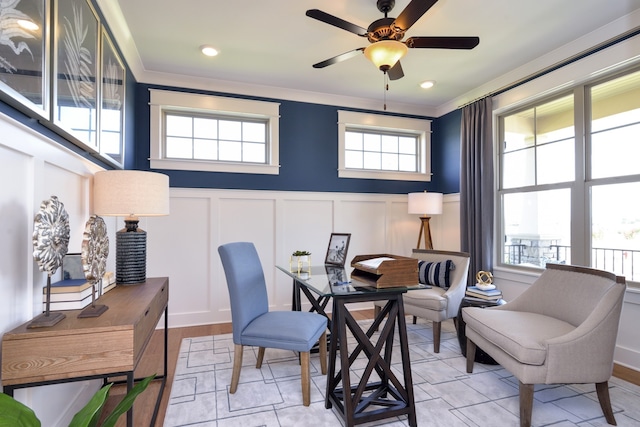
(383, 147)
(569, 173)
(209, 133)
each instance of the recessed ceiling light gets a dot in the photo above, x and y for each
(427, 84)
(27, 25)
(208, 50)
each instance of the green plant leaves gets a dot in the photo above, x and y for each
(15, 414)
(127, 401)
(90, 414)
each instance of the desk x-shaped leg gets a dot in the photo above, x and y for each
(318, 304)
(389, 396)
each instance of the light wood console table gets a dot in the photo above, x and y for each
(90, 348)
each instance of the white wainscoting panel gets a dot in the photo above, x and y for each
(32, 169)
(184, 244)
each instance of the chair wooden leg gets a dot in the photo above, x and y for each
(526, 404)
(605, 402)
(323, 353)
(237, 365)
(437, 327)
(471, 355)
(376, 310)
(306, 374)
(260, 357)
(415, 319)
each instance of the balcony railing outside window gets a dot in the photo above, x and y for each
(623, 262)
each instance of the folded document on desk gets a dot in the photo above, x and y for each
(374, 262)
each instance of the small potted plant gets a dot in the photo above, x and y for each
(300, 259)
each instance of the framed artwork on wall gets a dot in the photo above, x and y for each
(24, 54)
(338, 248)
(76, 70)
(112, 102)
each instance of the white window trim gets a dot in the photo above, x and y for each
(378, 122)
(161, 100)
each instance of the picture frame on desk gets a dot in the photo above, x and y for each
(337, 249)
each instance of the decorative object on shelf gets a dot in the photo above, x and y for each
(95, 250)
(484, 281)
(300, 261)
(425, 204)
(338, 248)
(131, 194)
(50, 245)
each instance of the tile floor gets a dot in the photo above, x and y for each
(445, 394)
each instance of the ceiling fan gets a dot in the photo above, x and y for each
(386, 34)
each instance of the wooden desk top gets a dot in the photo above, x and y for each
(113, 342)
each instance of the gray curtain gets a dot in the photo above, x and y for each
(476, 186)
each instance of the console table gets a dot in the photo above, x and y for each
(90, 348)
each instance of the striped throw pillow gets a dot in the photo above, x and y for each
(435, 273)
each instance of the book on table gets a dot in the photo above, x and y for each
(66, 286)
(70, 296)
(493, 294)
(68, 305)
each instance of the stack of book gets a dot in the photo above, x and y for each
(490, 294)
(75, 294)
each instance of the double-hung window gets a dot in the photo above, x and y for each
(569, 178)
(209, 133)
(383, 147)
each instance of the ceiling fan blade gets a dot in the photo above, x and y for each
(395, 72)
(339, 58)
(412, 13)
(336, 22)
(442, 42)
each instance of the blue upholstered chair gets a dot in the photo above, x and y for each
(253, 324)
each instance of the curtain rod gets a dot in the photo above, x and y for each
(597, 48)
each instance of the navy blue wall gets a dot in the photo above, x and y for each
(308, 155)
(445, 157)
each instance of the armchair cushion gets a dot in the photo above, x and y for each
(432, 300)
(435, 273)
(522, 335)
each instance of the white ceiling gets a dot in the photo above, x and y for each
(272, 44)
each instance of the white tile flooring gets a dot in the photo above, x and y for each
(445, 394)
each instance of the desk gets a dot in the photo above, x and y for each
(370, 399)
(90, 348)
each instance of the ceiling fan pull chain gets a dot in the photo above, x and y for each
(385, 89)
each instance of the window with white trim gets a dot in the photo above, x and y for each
(569, 173)
(212, 133)
(373, 146)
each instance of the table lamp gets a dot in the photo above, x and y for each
(425, 204)
(130, 194)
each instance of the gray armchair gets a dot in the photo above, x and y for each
(440, 302)
(561, 330)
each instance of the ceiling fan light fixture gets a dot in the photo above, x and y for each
(385, 53)
(208, 50)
